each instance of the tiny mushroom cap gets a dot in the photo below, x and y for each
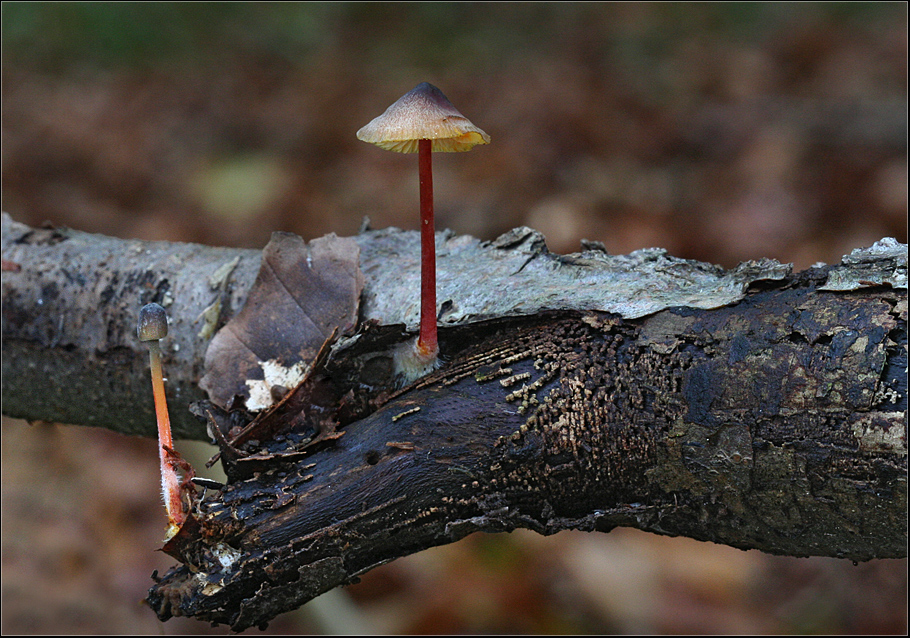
(423, 113)
(152, 323)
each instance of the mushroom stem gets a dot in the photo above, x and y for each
(170, 482)
(152, 327)
(427, 343)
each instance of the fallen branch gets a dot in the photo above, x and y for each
(71, 299)
(768, 411)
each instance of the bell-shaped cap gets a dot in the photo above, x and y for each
(152, 323)
(423, 113)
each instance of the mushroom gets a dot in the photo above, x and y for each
(422, 121)
(151, 328)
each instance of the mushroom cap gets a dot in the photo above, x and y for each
(423, 113)
(152, 323)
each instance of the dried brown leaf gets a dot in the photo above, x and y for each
(302, 294)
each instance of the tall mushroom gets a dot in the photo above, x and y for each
(423, 121)
(151, 328)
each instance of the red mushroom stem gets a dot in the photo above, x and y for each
(427, 343)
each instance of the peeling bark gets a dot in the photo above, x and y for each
(773, 420)
(70, 302)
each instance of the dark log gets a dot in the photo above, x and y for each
(755, 407)
(776, 424)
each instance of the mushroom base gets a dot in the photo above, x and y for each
(410, 361)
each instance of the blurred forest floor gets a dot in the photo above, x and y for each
(721, 132)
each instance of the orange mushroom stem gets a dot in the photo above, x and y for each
(151, 328)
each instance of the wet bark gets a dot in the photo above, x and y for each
(775, 422)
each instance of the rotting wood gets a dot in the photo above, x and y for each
(776, 424)
(777, 421)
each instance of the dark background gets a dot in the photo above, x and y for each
(721, 132)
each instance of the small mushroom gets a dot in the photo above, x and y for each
(151, 328)
(423, 121)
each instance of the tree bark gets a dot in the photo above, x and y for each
(755, 407)
(71, 299)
